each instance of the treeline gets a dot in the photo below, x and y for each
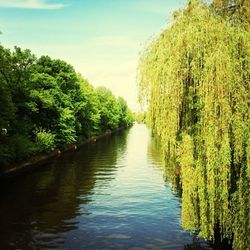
(44, 105)
(196, 78)
(140, 117)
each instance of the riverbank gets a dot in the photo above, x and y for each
(41, 159)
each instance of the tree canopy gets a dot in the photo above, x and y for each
(45, 104)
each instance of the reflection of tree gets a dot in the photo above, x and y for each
(171, 173)
(154, 151)
(173, 176)
(35, 207)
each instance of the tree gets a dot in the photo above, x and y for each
(195, 76)
(45, 104)
(87, 113)
(126, 116)
(109, 109)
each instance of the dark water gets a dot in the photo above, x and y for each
(108, 195)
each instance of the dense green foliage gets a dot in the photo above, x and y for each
(140, 117)
(195, 78)
(45, 104)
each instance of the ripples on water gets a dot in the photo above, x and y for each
(107, 195)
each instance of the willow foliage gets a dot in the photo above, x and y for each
(195, 79)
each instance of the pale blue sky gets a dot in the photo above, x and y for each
(102, 39)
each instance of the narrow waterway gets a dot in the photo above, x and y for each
(110, 194)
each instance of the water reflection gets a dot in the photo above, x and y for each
(108, 195)
(39, 208)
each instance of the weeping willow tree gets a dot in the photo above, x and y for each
(195, 80)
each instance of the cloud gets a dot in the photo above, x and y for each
(30, 4)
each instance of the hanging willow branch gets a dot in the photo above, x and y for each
(195, 76)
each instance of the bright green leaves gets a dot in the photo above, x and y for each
(195, 78)
(109, 109)
(66, 128)
(45, 104)
(45, 140)
(114, 112)
(125, 115)
(15, 71)
(87, 109)
(189, 185)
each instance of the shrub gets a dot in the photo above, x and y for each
(45, 140)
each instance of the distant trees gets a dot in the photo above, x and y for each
(109, 108)
(141, 117)
(125, 114)
(44, 104)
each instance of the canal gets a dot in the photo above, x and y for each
(110, 194)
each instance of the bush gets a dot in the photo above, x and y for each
(45, 140)
(22, 147)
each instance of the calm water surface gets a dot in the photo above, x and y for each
(108, 195)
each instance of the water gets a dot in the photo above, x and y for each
(108, 195)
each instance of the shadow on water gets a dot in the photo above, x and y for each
(172, 176)
(172, 181)
(40, 207)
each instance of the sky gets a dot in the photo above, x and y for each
(102, 39)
